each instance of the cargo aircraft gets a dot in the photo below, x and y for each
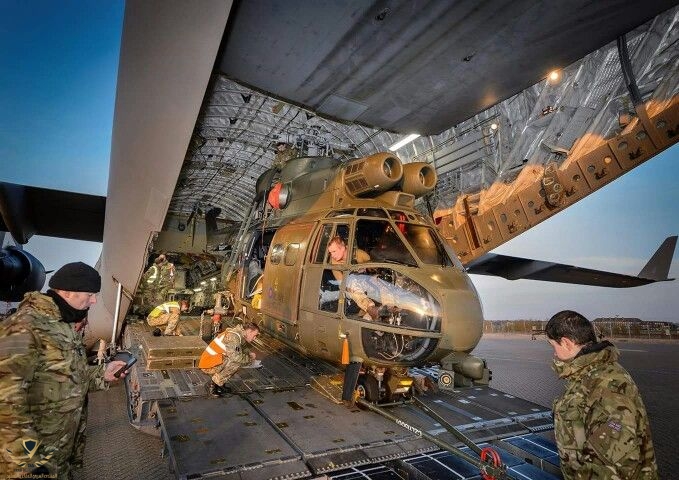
(250, 138)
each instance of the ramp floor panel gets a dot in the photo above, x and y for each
(316, 425)
(208, 436)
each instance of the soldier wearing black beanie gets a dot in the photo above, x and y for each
(76, 277)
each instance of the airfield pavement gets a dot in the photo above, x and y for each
(520, 366)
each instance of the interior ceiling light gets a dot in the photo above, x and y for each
(404, 141)
(554, 77)
(493, 126)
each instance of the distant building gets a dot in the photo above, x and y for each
(624, 320)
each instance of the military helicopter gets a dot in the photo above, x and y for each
(398, 297)
(416, 287)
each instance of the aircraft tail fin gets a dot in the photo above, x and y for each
(658, 266)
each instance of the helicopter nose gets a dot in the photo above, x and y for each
(462, 319)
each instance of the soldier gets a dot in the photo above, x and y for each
(165, 278)
(337, 248)
(167, 314)
(45, 378)
(600, 423)
(226, 354)
(157, 280)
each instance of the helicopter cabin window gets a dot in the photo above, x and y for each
(371, 212)
(276, 253)
(256, 261)
(341, 213)
(291, 253)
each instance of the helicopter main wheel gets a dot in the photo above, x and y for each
(368, 388)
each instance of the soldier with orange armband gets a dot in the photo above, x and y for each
(226, 354)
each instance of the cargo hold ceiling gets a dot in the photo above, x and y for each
(413, 66)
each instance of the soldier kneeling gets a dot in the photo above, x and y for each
(226, 354)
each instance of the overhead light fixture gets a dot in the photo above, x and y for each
(404, 141)
(213, 279)
(554, 77)
(493, 126)
(203, 282)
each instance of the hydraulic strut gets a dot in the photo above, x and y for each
(488, 462)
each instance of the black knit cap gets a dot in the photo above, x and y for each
(76, 277)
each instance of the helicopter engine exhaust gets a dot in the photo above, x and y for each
(370, 176)
(419, 178)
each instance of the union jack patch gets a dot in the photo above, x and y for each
(615, 426)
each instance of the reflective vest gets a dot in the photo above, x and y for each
(154, 274)
(163, 308)
(215, 351)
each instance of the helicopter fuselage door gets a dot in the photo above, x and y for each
(281, 281)
(320, 304)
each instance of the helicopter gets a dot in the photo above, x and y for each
(409, 301)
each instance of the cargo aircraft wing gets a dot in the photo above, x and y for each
(516, 268)
(26, 211)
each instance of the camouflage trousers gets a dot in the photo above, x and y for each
(222, 372)
(171, 319)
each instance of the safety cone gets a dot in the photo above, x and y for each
(345, 351)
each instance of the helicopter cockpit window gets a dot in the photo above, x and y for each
(341, 213)
(322, 243)
(371, 212)
(379, 239)
(291, 253)
(276, 253)
(427, 245)
(328, 297)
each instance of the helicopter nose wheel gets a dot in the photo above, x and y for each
(368, 388)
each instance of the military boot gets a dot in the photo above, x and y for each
(213, 389)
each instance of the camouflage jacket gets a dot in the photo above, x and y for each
(600, 422)
(44, 380)
(236, 351)
(165, 274)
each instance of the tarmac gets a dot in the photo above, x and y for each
(520, 366)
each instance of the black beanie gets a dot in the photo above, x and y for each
(76, 277)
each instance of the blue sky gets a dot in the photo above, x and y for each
(57, 94)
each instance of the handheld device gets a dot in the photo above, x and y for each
(125, 367)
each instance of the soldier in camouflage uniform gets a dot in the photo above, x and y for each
(165, 278)
(600, 423)
(167, 314)
(157, 281)
(226, 354)
(44, 377)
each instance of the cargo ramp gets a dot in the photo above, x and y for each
(275, 425)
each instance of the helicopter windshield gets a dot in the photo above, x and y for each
(387, 296)
(383, 242)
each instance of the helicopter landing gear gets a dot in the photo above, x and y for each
(368, 388)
